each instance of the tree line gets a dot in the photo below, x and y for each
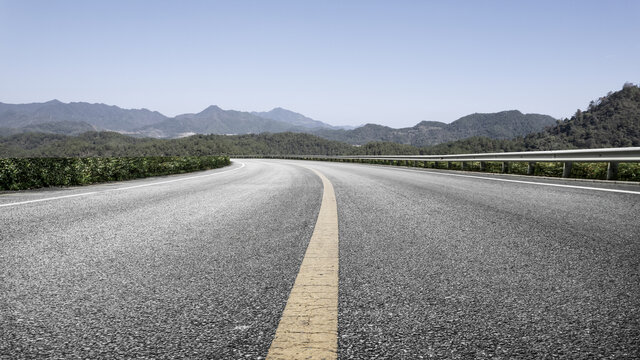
(611, 121)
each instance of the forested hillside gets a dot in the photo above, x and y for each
(213, 120)
(500, 125)
(59, 117)
(113, 144)
(611, 121)
(287, 116)
(56, 117)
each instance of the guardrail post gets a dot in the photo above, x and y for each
(531, 168)
(483, 166)
(448, 164)
(566, 169)
(505, 167)
(612, 171)
(462, 166)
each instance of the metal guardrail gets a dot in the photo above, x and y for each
(630, 154)
(612, 156)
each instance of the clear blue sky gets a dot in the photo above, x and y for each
(343, 62)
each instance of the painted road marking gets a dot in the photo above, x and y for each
(526, 182)
(118, 189)
(511, 180)
(391, 168)
(308, 328)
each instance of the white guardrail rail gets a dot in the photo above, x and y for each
(613, 156)
(630, 154)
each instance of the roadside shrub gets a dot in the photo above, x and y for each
(30, 173)
(518, 168)
(589, 170)
(548, 169)
(629, 171)
(493, 167)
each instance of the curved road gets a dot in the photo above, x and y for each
(432, 264)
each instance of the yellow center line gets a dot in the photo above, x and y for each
(308, 328)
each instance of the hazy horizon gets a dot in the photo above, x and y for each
(247, 111)
(341, 63)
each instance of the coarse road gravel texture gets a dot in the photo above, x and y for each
(199, 268)
(431, 265)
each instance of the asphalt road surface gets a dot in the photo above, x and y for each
(432, 264)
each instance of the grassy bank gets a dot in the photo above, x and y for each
(30, 173)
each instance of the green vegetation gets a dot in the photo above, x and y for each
(611, 121)
(108, 144)
(501, 125)
(474, 145)
(626, 171)
(29, 173)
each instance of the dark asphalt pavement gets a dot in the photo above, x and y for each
(431, 265)
(199, 268)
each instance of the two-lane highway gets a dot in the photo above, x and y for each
(431, 264)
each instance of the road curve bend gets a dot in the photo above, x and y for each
(432, 264)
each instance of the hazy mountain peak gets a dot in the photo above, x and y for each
(430, 124)
(212, 108)
(75, 115)
(293, 118)
(502, 125)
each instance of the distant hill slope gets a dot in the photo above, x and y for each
(74, 118)
(611, 121)
(114, 144)
(501, 125)
(97, 116)
(214, 120)
(293, 118)
(60, 127)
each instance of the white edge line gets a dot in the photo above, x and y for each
(171, 181)
(514, 181)
(118, 189)
(47, 199)
(525, 182)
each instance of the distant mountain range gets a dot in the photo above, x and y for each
(500, 125)
(74, 115)
(298, 120)
(610, 121)
(77, 117)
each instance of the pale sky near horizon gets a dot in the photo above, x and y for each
(342, 62)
